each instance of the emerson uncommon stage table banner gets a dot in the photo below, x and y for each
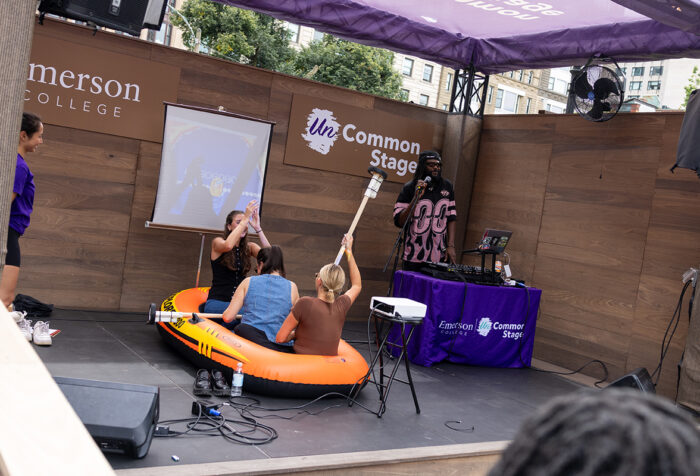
(492, 326)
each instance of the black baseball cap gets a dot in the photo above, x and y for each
(429, 154)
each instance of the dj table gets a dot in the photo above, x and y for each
(492, 326)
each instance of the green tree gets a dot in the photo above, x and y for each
(693, 84)
(240, 35)
(350, 65)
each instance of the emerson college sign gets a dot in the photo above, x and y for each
(92, 89)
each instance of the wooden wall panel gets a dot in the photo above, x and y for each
(609, 239)
(509, 186)
(73, 251)
(306, 211)
(672, 246)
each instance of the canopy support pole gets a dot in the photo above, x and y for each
(469, 92)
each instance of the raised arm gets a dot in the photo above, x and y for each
(417, 195)
(220, 246)
(355, 278)
(255, 221)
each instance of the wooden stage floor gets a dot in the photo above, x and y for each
(119, 347)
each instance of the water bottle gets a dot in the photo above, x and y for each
(237, 384)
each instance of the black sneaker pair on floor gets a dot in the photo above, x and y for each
(207, 383)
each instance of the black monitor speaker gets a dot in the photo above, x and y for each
(130, 16)
(120, 417)
(639, 379)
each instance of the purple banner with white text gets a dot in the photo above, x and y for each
(491, 326)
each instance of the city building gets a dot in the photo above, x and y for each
(447, 78)
(659, 83)
(427, 83)
(637, 105)
(168, 35)
(421, 79)
(528, 91)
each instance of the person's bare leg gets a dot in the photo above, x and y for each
(8, 285)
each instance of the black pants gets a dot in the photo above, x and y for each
(257, 336)
(13, 257)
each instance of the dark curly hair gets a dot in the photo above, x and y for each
(614, 432)
(421, 169)
(241, 251)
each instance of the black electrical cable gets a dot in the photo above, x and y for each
(218, 425)
(664, 344)
(449, 425)
(527, 317)
(255, 405)
(522, 340)
(371, 358)
(572, 372)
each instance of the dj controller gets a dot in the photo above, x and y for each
(462, 272)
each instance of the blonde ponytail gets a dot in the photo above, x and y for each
(332, 279)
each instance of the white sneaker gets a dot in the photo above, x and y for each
(18, 315)
(41, 333)
(25, 327)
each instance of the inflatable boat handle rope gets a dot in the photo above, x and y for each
(378, 176)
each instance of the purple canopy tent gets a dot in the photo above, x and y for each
(504, 35)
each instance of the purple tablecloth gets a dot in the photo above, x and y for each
(485, 326)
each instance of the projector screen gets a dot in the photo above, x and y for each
(212, 163)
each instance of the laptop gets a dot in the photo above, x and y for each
(494, 240)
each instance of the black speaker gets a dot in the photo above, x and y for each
(130, 16)
(639, 379)
(120, 417)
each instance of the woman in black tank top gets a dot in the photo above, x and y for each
(230, 256)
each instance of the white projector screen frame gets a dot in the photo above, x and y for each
(212, 162)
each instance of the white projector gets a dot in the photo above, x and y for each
(398, 307)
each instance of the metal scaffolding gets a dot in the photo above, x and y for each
(469, 92)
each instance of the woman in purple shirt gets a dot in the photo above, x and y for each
(22, 204)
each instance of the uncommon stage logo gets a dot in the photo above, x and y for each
(484, 326)
(348, 139)
(321, 130)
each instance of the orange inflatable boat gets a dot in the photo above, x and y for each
(209, 345)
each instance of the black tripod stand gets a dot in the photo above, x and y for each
(398, 247)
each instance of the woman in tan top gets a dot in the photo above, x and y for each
(315, 323)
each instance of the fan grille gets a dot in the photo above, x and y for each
(598, 93)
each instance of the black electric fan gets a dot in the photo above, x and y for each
(599, 89)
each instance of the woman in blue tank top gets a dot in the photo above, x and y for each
(264, 301)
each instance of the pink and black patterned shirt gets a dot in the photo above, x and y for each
(427, 232)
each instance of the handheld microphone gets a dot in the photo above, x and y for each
(427, 182)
